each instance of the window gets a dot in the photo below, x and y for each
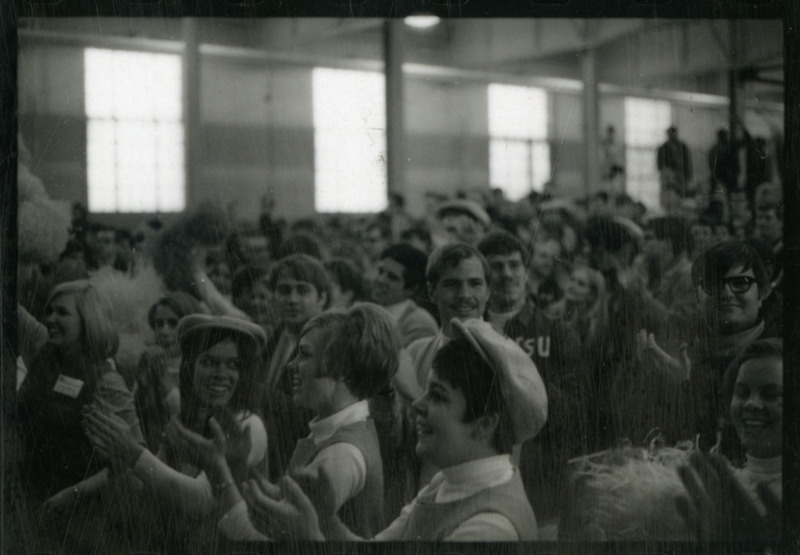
(135, 160)
(646, 123)
(349, 141)
(519, 154)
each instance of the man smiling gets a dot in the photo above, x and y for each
(457, 284)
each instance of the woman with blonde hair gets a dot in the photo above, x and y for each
(584, 306)
(60, 471)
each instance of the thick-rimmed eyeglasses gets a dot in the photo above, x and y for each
(737, 285)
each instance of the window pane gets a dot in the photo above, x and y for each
(509, 164)
(170, 167)
(101, 172)
(518, 112)
(136, 168)
(99, 86)
(349, 141)
(541, 165)
(646, 123)
(135, 158)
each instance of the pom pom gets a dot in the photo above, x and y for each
(43, 222)
(629, 494)
(174, 247)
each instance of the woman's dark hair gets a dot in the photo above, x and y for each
(730, 445)
(460, 365)
(178, 302)
(243, 398)
(714, 263)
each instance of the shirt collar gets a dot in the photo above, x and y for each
(477, 472)
(324, 428)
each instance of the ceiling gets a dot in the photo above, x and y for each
(629, 54)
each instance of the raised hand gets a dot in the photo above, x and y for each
(677, 369)
(111, 436)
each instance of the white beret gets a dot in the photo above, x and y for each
(520, 383)
(465, 206)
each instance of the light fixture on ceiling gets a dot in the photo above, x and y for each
(422, 21)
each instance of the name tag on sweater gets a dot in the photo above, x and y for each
(70, 387)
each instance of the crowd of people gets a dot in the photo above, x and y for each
(548, 369)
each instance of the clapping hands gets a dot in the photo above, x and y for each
(282, 512)
(111, 436)
(228, 445)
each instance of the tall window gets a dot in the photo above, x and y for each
(135, 160)
(519, 154)
(646, 123)
(349, 141)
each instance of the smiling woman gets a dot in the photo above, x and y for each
(62, 475)
(219, 356)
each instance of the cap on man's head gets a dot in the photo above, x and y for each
(521, 385)
(466, 207)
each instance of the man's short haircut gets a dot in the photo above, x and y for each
(348, 276)
(411, 259)
(460, 365)
(502, 243)
(604, 232)
(299, 243)
(362, 347)
(451, 256)
(714, 263)
(676, 230)
(301, 267)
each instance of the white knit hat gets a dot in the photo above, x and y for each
(520, 383)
